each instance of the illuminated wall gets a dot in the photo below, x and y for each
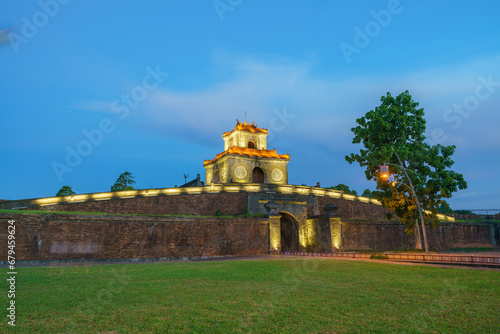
(245, 150)
(241, 138)
(275, 233)
(336, 233)
(239, 169)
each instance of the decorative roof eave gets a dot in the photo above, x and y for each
(245, 127)
(249, 152)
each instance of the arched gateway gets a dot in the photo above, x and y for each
(289, 230)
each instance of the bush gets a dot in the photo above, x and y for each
(378, 256)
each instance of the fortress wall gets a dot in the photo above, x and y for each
(380, 236)
(184, 204)
(55, 237)
(353, 209)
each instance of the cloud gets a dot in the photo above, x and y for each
(324, 109)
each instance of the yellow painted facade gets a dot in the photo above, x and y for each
(246, 159)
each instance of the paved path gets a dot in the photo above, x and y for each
(261, 258)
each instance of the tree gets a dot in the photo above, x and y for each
(396, 128)
(65, 191)
(344, 188)
(445, 208)
(367, 193)
(124, 182)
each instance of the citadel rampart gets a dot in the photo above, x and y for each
(302, 220)
(42, 237)
(64, 237)
(230, 199)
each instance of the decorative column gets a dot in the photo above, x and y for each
(274, 226)
(335, 226)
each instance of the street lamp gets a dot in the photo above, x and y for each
(384, 173)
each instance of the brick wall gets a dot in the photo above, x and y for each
(391, 236)
(191, 204)
(50, 237)
(353, 209)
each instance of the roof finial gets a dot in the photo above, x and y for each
(245, 117)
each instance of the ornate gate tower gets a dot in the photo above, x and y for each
(246, 159)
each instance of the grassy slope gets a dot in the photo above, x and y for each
(276, 296)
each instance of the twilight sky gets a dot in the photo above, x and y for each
(90, 89)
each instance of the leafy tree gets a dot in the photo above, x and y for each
(445, 208)
(124, 182)
(65, 191)
(464, 212)
(367, 193)
(396, 128)
(344, 188)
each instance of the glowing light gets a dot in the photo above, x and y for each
(364, 199)
(384, 171)
(48, 201)
(78, 198)
(150, 192)
(250, 152)
(444, 217)
(125, 193)
(252, 188)
(286, 189)
(101, 196)
(349, 197)
(275, 233)
(319, 192)
(194, 190)
(231, 189)
(303, 190)
(245, 127)
(213, 189)
(333, 193)
(172, 191)
(336, 232)
(376, 202)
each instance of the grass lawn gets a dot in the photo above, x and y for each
(288, 295)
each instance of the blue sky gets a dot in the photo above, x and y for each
(154, 84)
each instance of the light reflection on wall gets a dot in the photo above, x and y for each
(214, 188)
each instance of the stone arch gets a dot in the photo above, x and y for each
(289, 226)
(216, 176)
(258, 175)
(251, 144)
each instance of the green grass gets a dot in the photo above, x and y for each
(479, 220)
(291, 295)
